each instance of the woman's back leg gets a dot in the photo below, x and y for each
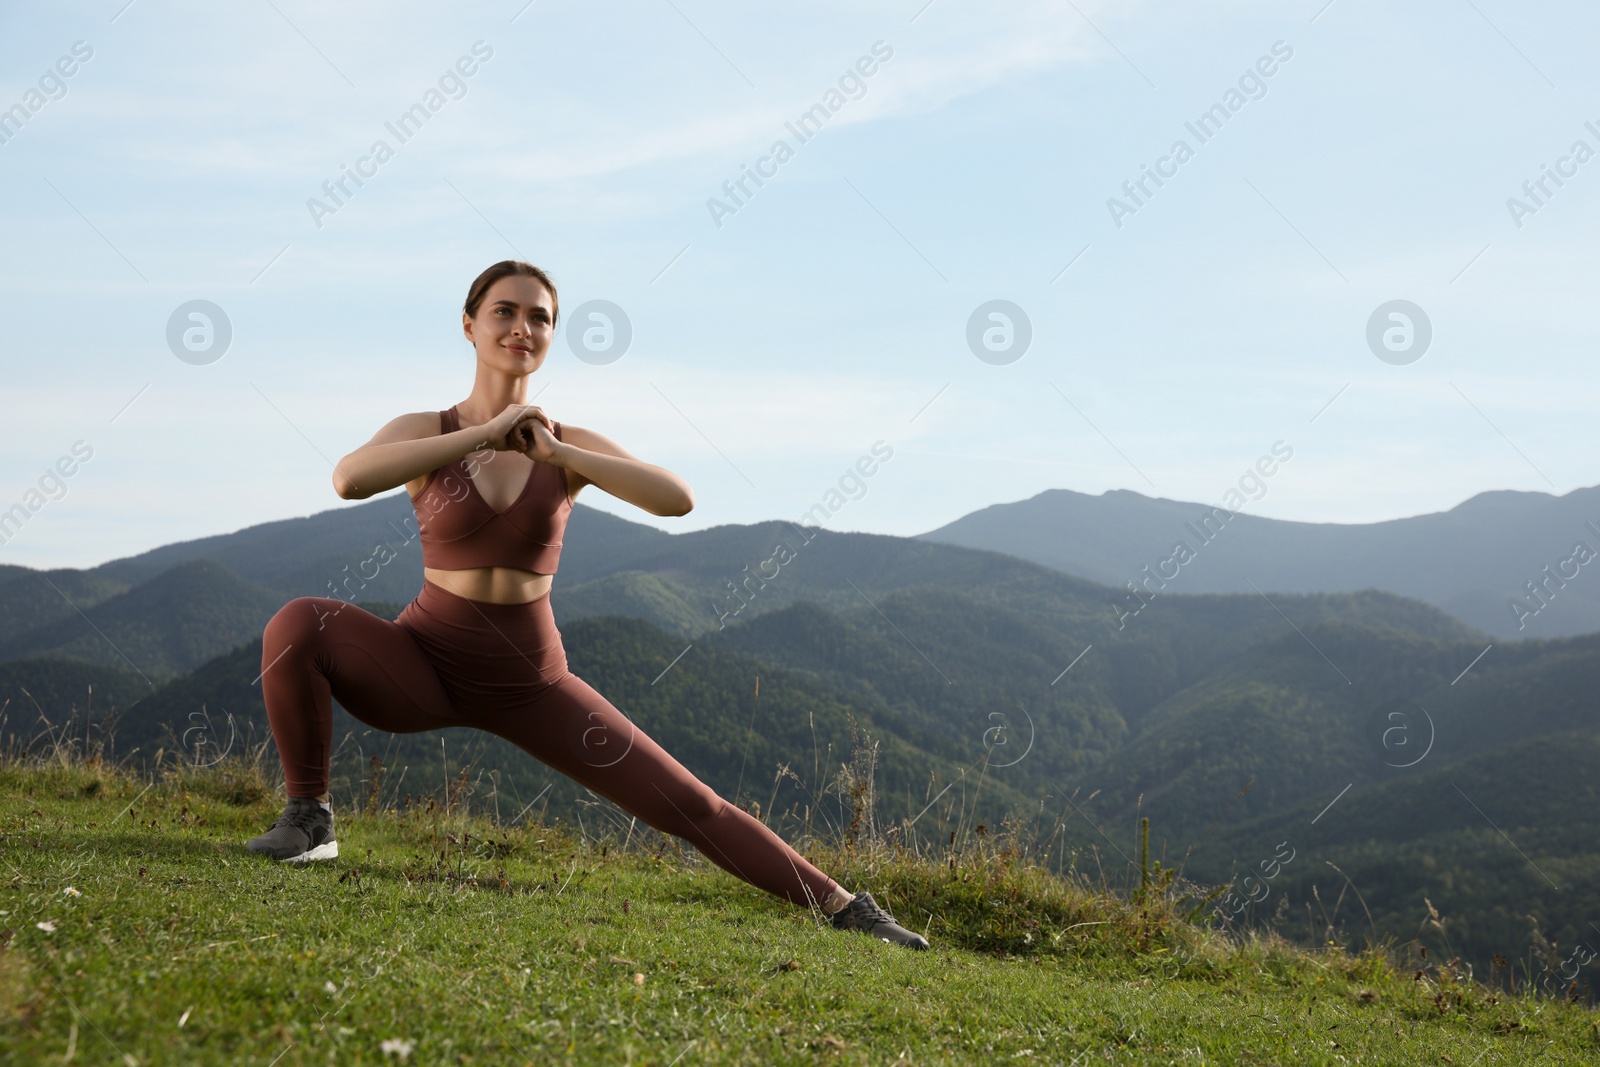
(572, 728)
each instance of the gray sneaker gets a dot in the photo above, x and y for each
(864, 914)
(303, 832)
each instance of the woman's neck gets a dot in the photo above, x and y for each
(492, 393)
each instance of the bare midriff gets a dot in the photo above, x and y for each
(497, 585)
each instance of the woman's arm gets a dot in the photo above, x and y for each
(410, 446)
(593, 457)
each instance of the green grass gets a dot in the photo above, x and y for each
(483, 944)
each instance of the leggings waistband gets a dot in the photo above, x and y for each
(527, 619)
(432, 590)
(486, 653)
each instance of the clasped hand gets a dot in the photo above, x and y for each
(522, 428)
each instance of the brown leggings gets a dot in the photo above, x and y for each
(451, 661)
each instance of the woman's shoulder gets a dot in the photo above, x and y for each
(411, 426)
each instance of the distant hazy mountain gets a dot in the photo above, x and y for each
(1474, 561)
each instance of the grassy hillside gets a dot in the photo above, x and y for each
(962, 682)
(137, 930)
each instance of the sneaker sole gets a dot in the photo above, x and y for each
(328, 850)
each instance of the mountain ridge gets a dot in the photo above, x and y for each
(1475, 560)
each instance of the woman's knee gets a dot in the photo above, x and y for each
(300, 622)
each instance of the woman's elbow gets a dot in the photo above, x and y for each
(344, 486)
(684, 505)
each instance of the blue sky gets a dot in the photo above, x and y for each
(774, 345)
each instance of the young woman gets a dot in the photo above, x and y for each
(479, 645)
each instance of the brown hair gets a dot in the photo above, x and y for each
(508, 268)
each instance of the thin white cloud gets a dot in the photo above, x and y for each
(278, 109)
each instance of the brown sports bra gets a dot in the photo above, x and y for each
(459, 530)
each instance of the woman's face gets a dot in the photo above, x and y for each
(513, 327)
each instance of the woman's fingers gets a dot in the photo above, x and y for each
(525, 426)
(519, 420)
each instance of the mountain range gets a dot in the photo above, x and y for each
(1512, 564)
(1298, 743)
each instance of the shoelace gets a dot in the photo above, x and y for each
(870, 915)
(299, 818)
